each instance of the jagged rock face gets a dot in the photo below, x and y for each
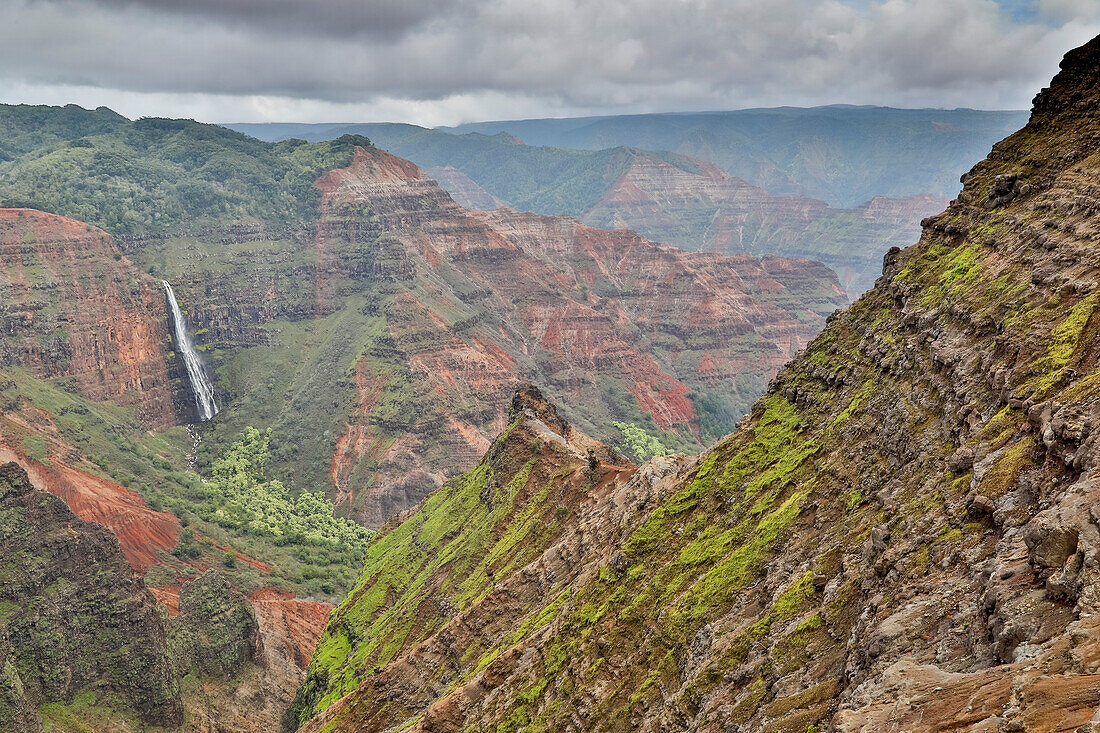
(73, 307)
(697, 205)
(74, 619)
(215, 632)
(903, 534)
(247, 656)
(484, 300)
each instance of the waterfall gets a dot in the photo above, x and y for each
(200, 385)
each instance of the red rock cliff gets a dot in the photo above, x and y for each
(72, 306)
(697, 205)
(487, 299)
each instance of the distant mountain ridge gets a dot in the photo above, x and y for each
(844, 155)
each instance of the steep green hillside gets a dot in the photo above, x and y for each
(901, 534)
(530, 492)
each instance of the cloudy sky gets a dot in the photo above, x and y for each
(448, 61)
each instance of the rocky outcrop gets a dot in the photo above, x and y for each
(612, 323)
(698, 206)
(74, 619)
(902, 534)
(527, 505)
(215, 632)
(290, 629)
(72, 306)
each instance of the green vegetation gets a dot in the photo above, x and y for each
(718, 412)
(310, 551)
(65, 585)
(639, 443)
(480, 526)
(300, 384)
(621, 406)
(210, 636)
(1064, 341)
(87, 713)
(455, 529)
(239, 506)
(110, 436)
(156, 175)
(238, 496)
(24, 127)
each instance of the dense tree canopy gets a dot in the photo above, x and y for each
(238, 496)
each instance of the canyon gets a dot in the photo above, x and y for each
(485, 300)
(89, 373)
(420, 318)
(695, 205)
(395, 294)
(901, 533)
(699, 206)
(692, 202)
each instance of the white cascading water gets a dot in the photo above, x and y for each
(200, 385)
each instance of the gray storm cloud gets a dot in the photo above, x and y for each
(332, 18)
(612, 55)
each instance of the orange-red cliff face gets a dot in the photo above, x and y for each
(142, 532)
(484, 299)
(72, 306)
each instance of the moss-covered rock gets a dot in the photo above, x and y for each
(74, 619)
(215, 633)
